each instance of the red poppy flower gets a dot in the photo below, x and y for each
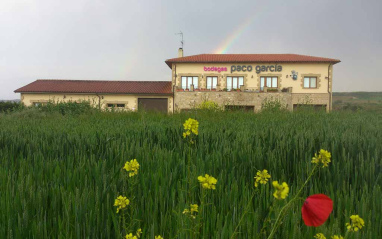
(316, 209)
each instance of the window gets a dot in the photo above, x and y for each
(268, 81)
(234, 82)
(245, 108)
(310, 82)
(212, 82)
(37, 104)
(187, 81)
(116, 105)
(301, 107)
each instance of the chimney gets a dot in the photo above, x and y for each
(180, 52)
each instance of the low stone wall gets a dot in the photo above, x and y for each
(191, 99)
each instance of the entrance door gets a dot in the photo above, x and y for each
(153, 104)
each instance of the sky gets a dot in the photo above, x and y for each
(130, 40)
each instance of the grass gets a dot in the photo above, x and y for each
(59, 175)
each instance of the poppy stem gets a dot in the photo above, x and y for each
(289, 204)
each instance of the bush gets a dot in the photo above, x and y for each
(210, 106)
(271, 104)
(67, 108)
(8, 106)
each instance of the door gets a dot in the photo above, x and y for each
(153, 104)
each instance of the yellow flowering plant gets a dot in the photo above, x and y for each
(191, 126)
(132, 167)
(191, 129)
(320, 236)
(337, 237)
(136, 236)
(191, 212)
(282, 190)
(262, 177)
(323, 157)
(356, 223)
(159, 237)
(139, 233)
(207, 182)
(121, 202)
(131, 236)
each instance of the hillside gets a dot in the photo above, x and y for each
(370, 101)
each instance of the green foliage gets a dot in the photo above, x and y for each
(60, 175)
(357, 101)
(67, 108)
(210, 106)
(271, 104)
(9, 106)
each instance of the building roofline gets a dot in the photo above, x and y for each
(251, 58)
(97, 87)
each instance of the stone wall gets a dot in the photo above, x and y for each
(311, 99)
(191, 99)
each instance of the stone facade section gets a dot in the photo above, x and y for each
(188, 100)
(311, 99)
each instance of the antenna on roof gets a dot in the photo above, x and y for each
(181, 36)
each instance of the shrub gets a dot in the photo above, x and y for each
(271, 104)
(209, 105)
(7, 106)
(67, 108)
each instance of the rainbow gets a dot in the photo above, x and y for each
(231, 39)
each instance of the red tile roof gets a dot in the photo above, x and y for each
(91, 86)
(247, 58)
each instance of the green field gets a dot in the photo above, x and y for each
(60, 175)
(355, 101)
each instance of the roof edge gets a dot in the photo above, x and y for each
(184, 59)
(88, 93)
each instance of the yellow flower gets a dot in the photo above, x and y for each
(262, 177)
(158, 237)
(282, 190)
(139, 232)
(320, 236)
(190, 126)
(337, 237)
(132, 166)
(356, 223)
(192, 211)
(207, 182)
(194, 208)
(121, 203)
(323, 157)
(130, 236)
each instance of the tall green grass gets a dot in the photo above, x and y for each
(59, 175)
